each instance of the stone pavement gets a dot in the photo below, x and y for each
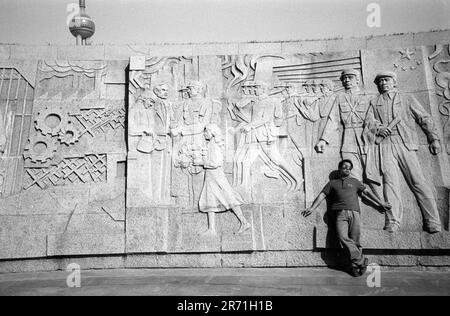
(226, 282)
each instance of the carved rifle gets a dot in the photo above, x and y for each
(391, 125)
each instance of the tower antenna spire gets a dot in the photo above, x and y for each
(82, 26)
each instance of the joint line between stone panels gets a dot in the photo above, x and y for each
(7, 97)
(14, 117)
(3, 79)
(19, 145)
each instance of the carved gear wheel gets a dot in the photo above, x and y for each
(69, 135)
(40, 149)
(52, 120)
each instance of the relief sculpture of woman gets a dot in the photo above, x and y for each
(217, 194)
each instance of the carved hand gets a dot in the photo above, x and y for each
(386, 206)
(307, 212)
(435, 147)
(246, 128)
(320, 147)
(384, 132)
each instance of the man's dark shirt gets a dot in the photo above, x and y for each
(343, 193)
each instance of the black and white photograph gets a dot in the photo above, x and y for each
(226, 155)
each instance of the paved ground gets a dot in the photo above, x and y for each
(225, 282)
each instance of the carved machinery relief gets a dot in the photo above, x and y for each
(69, 119)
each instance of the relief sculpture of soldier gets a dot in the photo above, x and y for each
(217, 194)
(349, 111)
(391, 121)
(259, 136)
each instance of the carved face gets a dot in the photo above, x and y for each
(386, 84)
(194, 90)
(291, 90)
(349, 81)
(162, 91)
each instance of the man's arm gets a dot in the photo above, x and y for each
(385, 205)
(424, 119)
(319, 199)
(331, 127)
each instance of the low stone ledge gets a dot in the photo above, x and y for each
(85, 244)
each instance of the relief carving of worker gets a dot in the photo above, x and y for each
(391, 121)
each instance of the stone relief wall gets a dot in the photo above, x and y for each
(208, 154)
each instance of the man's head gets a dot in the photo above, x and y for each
(195, 88)
(350, 78)
(345, 167)
(161, 91)
(327, 86)
(386, 81)
(261, 88)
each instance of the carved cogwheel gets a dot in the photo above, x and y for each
(69, 135)
(40, 149)
(52, 120)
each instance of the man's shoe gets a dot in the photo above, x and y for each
(363, 266)
(354, 271)
(433, 229)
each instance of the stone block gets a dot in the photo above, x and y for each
(147, 230)
(17, 245)
(5, 51)
(123, 52)
(254, 259)
(169, 50)
(189, 261)
(81, 52)
(116, 72)
(304, 259)
(431, 38)
(85, 244)
(33, 52)
(346, 44)
(24, 236)
(185, 233)
(260, 48)
(303, 47)
(116, 91)
(230, 239)
(299, 232)
(32, 265)
(436, 241)
(376, 239)
(395, 260)
(392, 41)
(215, 49)
(133, 261)
(434, 261)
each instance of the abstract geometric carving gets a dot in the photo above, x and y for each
(91, 168)
(97, 121)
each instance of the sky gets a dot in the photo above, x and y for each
(212, 21)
